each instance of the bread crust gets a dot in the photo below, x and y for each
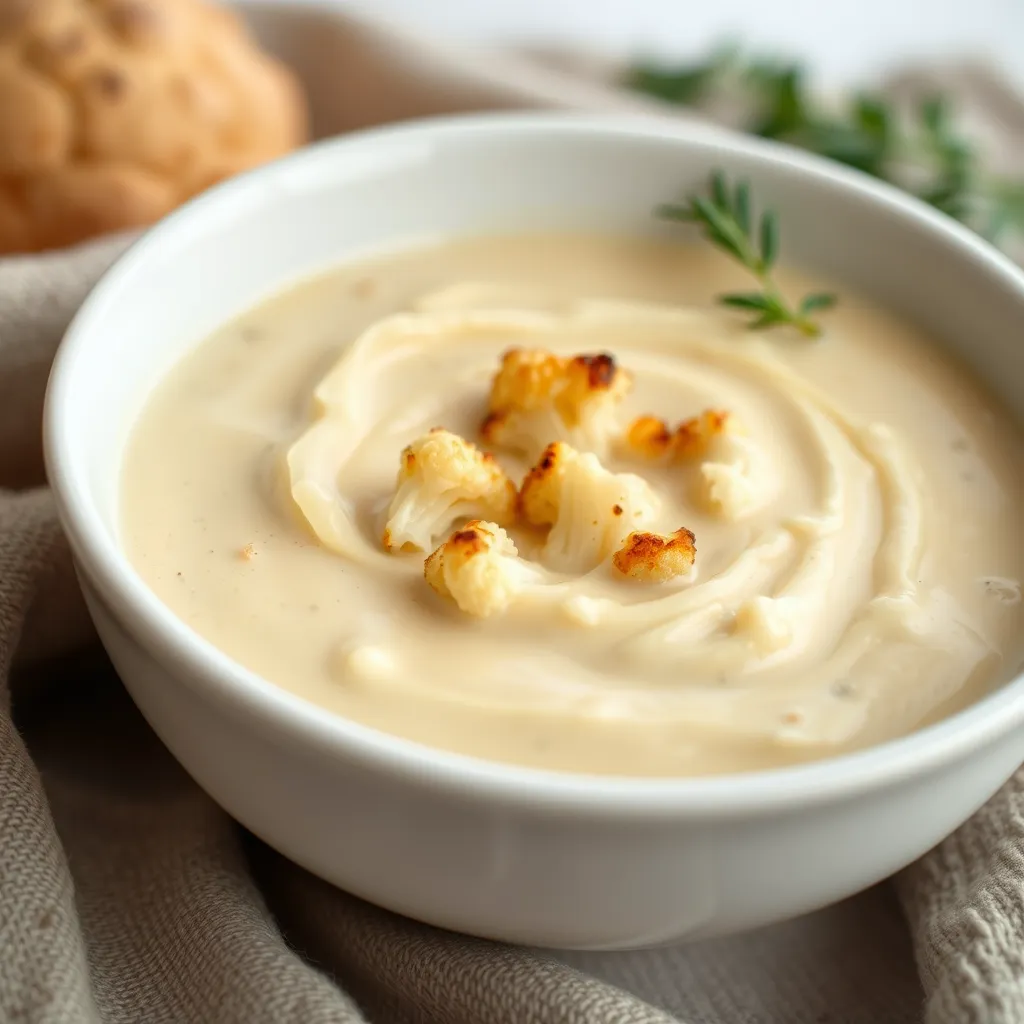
(113, 112)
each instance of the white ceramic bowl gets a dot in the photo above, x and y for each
(509, 853)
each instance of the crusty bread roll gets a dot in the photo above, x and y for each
(112, 112)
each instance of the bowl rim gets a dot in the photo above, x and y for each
(274, 710)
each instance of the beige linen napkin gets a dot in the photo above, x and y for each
(128, 897)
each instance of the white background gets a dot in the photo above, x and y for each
(842, 40)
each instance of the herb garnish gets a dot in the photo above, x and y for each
(918, 150)
(726, 220)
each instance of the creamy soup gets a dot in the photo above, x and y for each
(818, 551)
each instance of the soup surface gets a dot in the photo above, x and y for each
(853, 502)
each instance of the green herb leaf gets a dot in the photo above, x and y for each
(785, 106)
(769, 241)
(770, 318)
(920, 151)
(934, 113)
(817, 301)
(725, 216)
(872, 116)
(682, 87)
(754, 301)
(685, 85)
(742, 207)
(720, 227)
(720, 190)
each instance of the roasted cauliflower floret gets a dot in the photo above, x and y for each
(652, 438)
(734, 477)
(541, 489)
(526, 380)
(593, 386)
(479, 568)
(694, 436)
(649, 437)
(731, 478)
(444, 478)
(589, 509)
(537, 397)
(652, 558)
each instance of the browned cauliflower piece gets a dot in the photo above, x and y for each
(652, 558)
(733, 476)
(479, 568)
(540, 491)
(652, 438)
(694, 436)
(649, 437)
(591, 383)
(525, 381)
(444, 478)
(538, 397)
(588, 508)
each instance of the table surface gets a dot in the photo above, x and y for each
(843, 41)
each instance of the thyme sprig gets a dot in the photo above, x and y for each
(919, 149)
(726, 218)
